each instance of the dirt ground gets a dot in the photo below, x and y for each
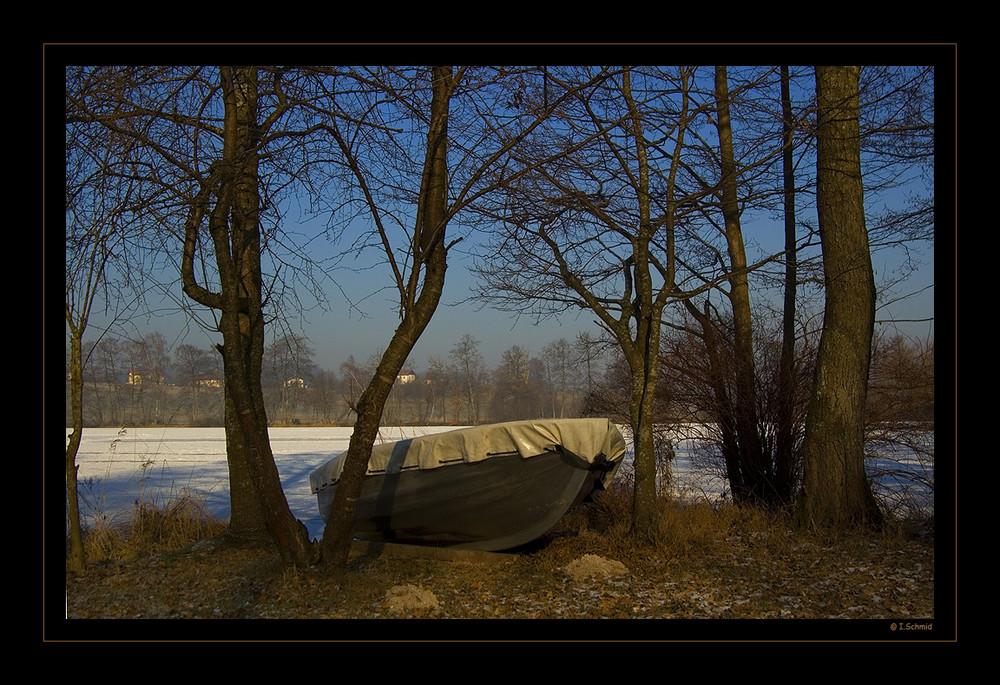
(718, 567)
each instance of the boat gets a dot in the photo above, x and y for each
(488, 488)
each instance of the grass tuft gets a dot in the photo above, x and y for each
(182, 521)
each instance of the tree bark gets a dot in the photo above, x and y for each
(755, 482)
(643, 352)
(836, 492)
(430, 255)
(233, 224)
(784, 450)
(77, 557)
(645, 526)
(246, 519)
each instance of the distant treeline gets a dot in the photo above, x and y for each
(143, 382)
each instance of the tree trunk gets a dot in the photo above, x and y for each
(644, 501)
(77, 558)
(234, 227)
(836, 492)
(431, 256)
(643, 353)
(243, 317)
(784, 450)
(756, 481)
(246, 514)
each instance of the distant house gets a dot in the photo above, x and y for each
(406, 376)
(295, 383)
(212, 379)
(135, 378)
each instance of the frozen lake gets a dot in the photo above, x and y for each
(117, 467)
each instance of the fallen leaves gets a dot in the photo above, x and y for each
(751, 576)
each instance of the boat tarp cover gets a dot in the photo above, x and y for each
(586, 439)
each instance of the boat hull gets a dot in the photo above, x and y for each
(491, 504)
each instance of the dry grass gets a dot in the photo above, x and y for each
(709, 562)
(183, 520)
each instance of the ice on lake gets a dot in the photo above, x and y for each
(117, 467)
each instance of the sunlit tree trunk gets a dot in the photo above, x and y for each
(430, 255)
(836, 492)
(233, 224)
(643, 352)
(77, 558)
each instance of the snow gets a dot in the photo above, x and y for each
(118, 467)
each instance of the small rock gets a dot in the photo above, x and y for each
(592, 565)
(410, 599)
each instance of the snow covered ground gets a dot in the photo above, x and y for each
(119, 467)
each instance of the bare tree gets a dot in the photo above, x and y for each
(194, 367)
(559, 363)
(439, 384)
(229, 197)
(419, 296)
(286, 370)
(468, 121)
(786, 459)
(323, 396)
(103, 374)
(86, 260)
(742, 182)
(754, 409)
(469, 364)
(225, 145)
(103, 204)
(149, 361)
(729, 345)
(515, 388)
(355, 378)
(597, 229)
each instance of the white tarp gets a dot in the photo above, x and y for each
(584, 438)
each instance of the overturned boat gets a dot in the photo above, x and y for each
(488, 488)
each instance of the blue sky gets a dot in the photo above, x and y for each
(338, 334)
